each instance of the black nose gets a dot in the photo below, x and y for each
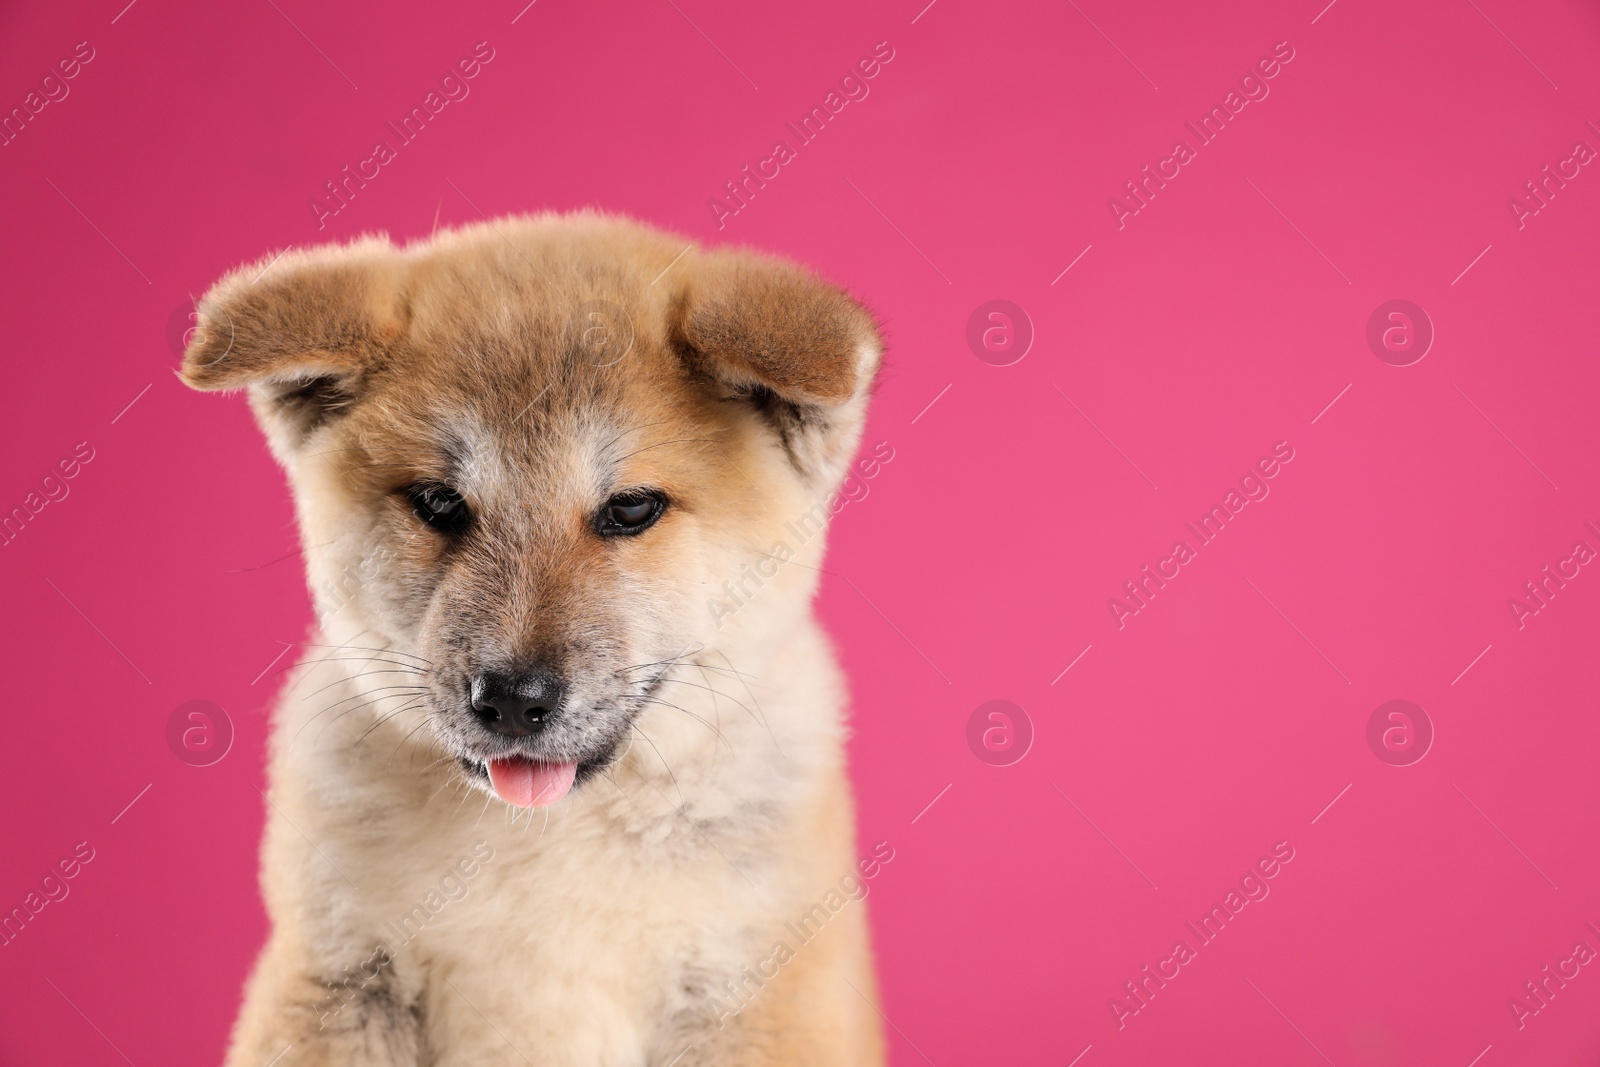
(516, 705)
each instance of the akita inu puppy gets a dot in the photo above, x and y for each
(541, 793)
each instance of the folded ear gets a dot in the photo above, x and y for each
(300, 333)
(803, 352)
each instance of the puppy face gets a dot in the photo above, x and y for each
(529, 454)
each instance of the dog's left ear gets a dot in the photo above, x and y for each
(301, 333)
(801, 351)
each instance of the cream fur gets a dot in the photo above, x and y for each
(602, 931)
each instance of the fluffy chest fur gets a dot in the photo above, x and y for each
(611, 928)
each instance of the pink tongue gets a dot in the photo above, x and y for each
(527, 784)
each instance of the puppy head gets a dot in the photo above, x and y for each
(529, 456)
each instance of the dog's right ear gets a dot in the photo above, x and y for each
(301, 333)
(798, 351)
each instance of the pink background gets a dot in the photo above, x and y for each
(1222, 319)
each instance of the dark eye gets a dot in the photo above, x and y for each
(631, 512)
(439, 506)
